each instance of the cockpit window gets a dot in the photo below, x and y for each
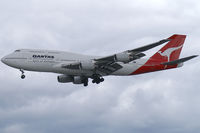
(17, 50)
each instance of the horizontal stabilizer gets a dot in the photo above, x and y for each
(175, 62)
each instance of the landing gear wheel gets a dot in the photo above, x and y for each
(23, 76)
(97, 79)
(102, 79)
(85, 82)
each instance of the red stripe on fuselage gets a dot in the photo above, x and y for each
(149, 66)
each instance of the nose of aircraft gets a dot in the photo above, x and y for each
(3, 60)
(9, 60)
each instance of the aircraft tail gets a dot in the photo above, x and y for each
(171, 51)
(167, 57)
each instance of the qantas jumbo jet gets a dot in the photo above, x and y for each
(77, 68)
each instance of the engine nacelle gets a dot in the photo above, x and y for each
(87, 65)
(78, 80)
(127, 57)
(123, 57)
(65, 79)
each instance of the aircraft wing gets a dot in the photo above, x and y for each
(149, 46)
(110, 64)
(129, 55)
(102, 67)
(108, 68)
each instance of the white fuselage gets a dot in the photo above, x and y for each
(78, 68)
(51, 61)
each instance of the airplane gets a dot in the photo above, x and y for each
(78, 68)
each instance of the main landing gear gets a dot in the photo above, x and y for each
(97, 79)
(22, 76)
(85, 82)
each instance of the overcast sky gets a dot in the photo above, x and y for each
(167, 101)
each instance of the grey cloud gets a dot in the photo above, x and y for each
(165, 101)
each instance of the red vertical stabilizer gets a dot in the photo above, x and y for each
(170, 52)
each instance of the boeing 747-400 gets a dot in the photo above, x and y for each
(77, 68)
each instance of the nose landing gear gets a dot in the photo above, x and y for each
(22, 76)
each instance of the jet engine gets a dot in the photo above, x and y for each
(127, 57)
(65, 79)
(74, 79)
(78, 80)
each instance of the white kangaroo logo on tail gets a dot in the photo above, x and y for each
(169, 51)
